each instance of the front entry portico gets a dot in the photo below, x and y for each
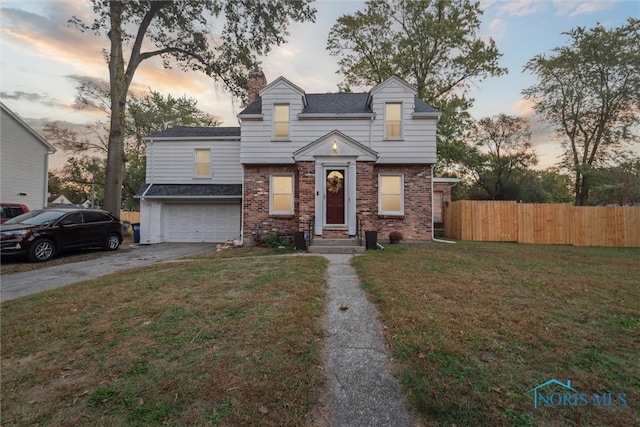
(335, 156)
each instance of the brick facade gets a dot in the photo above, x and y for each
(415, 225)
(256, 219)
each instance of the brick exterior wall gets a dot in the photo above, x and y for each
(415, 225)
(256, 218)
(305, 192)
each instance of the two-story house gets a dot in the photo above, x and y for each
(340, 162)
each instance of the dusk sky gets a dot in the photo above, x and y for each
(42, 59)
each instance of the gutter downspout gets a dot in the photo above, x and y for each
(241, 241)
(433, 237)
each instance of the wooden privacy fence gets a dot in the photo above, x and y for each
(132, 217)
(554, 224)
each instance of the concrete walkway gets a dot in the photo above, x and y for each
(361, 389)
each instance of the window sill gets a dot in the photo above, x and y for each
(282, 215)
(280, 139)
(394, 139)
(391, 216)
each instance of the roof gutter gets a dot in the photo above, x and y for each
(336, 116)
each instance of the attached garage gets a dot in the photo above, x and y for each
(190, 213)
(201, 222)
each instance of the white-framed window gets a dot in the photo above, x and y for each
(281, 195)
(393, 120)
(391, 194)
(281, 121)
(202, 164)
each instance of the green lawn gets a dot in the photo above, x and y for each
(206, 342)
(235, 338)
(474, 326)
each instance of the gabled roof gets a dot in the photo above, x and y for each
(28, 128)
(423, 107)
(191, 132)
(279, 80)
(164, 191)
(391, 80)
(336, 105)
(345, 146)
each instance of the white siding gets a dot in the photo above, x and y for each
(24, 164)
(172, 162)
(418, 144)
(258, 147)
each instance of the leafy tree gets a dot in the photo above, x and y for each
(617, 185)
(541, 186)
(502, 147)
(181, 31)
(432, 44)
(54, 183)
(589, 90)
(81, 179)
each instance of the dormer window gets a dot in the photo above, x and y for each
(281, 121)
(393, 120)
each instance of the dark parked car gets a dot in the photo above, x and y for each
(41, 234)
(10, 210)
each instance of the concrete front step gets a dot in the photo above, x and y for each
(336, 246)
(335, 249)
(319, 241)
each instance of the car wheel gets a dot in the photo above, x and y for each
(112, 243)
(42, 250)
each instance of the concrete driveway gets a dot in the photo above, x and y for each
(21, 284)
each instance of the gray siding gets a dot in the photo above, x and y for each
(418, 144)
(24, 164)
(172, 162)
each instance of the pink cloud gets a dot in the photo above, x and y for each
(524, 107)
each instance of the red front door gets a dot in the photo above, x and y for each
(335, 197)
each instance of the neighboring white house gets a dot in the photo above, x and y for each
(338, 163)
(59, 199)
(24, 162)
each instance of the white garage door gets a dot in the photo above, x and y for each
(201, 222)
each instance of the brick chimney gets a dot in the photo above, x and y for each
(257, 81)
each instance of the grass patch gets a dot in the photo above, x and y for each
(228, 341)
(474, 326)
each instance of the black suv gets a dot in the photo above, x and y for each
(41, 234)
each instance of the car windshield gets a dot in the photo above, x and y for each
(36, 218)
